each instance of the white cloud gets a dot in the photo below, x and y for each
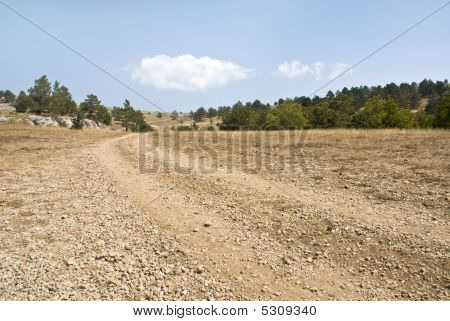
(318, 68)
(294, 69)
(187, 72)
(337, 69)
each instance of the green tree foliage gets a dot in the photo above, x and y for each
(61, 102)
(442, 117)
(7, 96)
(424, 120)
(23, 103)
(41, 99)
(41, 94)
(386, 113)
(287, 115)
(130, 118)
(211, 113)
(321, 116)
(78, 121)
(240, 117)
(93, 109)
(199, 114)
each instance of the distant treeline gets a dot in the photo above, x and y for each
(44, 99)
(391, 106)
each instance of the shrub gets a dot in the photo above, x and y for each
(78, 121)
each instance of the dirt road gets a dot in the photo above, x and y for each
(90, 224)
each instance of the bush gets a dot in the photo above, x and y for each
(78, 121)
(184, 128)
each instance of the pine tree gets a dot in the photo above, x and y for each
(41, 94)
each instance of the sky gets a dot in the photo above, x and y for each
(181, 55)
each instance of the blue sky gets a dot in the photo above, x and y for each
(187, 54)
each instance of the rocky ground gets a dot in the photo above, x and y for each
(81, 220)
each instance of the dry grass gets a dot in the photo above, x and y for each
(24, 145)
(389, 164)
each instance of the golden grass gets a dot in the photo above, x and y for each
(24, 145)
(388, 164)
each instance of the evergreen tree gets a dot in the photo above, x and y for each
(41, 94)
(7, 96)
(61, 102)
(442, 119)
(24, 103)
(93, 109)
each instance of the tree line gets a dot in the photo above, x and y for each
(43, 98)
(389, 106)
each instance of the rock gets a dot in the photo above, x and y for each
(4, 119)
(199, 269)
(207, 224)
(286, 260)
(65, 122)
(43, 121)
(90, 123)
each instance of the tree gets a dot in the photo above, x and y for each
(174, 115)
(385, 113)
(211, 113)
(360, 119)
(424, 120)
(24, 103)
(90, 106)
(41, 94)
(442, 119)
(286, 115)
(199, 114)
(321, 116)
(133, 119)
(159, 115)
(117, 113)
(8, 96)
(240, 117)
(61, 102)
(103, 116)
(93, 109)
